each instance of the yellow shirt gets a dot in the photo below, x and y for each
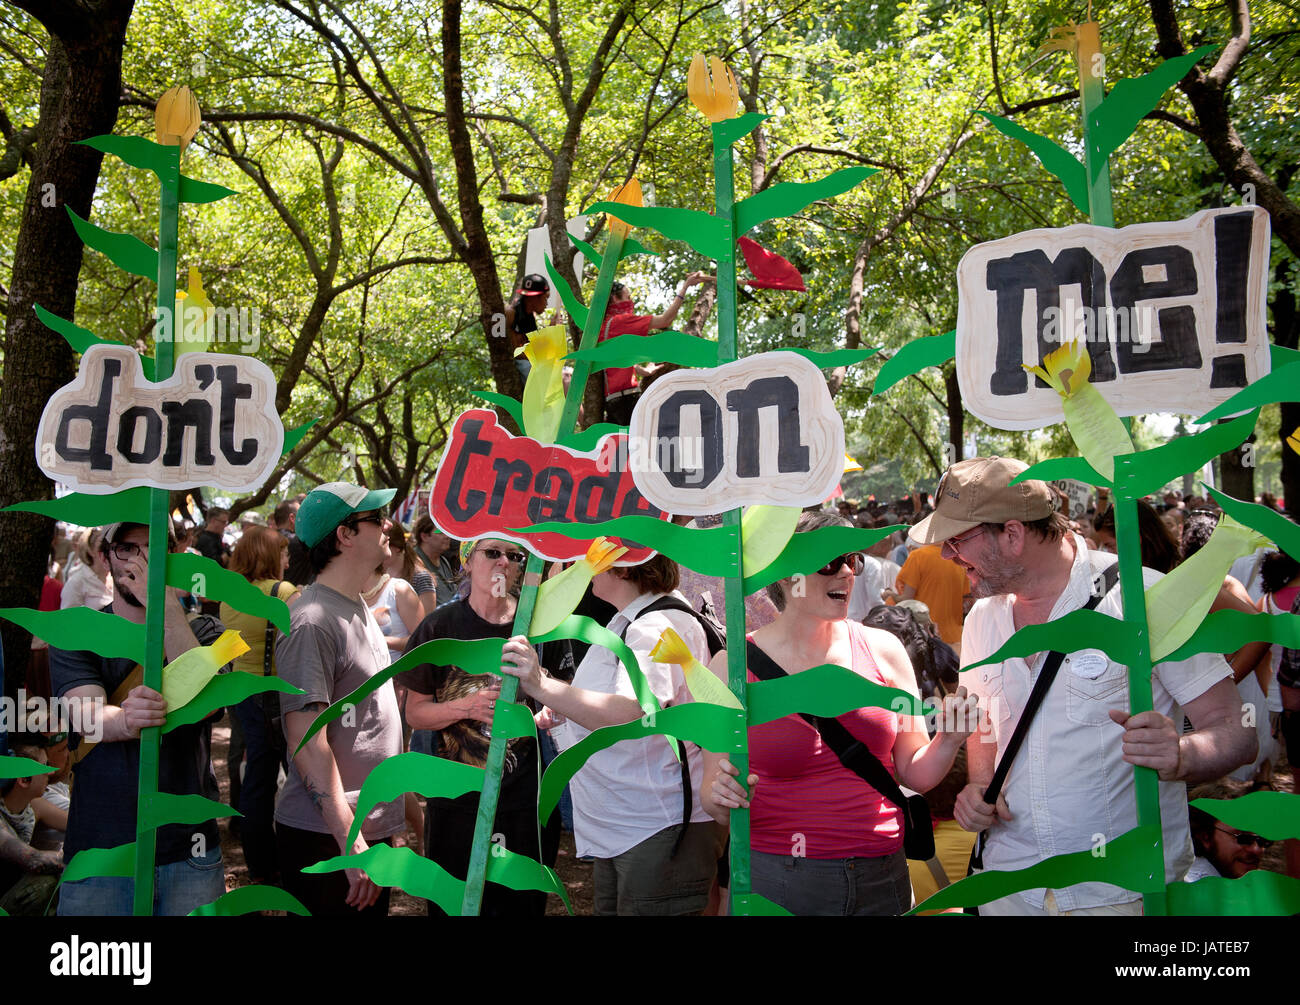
(252, 628)
(940, 585)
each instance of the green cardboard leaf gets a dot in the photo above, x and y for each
(404, 869)
(572, 304)
(1148, 470)
(789, 197)
(92, 511)
(167, 808)
(837, 357)
(1280, 356)
(593, 256)
(631, 246)
(586, 439)
(80, 629)
(293, 436)
(1283, 384)
(1081, 629)
(933, 350)
(1227, 631)
(474, 656)
(1272, 524)
(810, 550)
(1259, 892)
(730, 131)
(1114, 120)
(22, 767)
(1274, 816)
(195, 191)
(755, 905)
(130, 254)
(225, 690)
(205, 578)
(512, 720)
(702, 231)
(707, 551)
(1058, 161)
(118, 861)
(1123, 865)
(250, 900)
(423, 774)
(663, 347)
(82, 339)
(712, 727)
(133, 150)
(1062, 467)
(827, 691)
(520, 872)
(512, 407)
(584, 629)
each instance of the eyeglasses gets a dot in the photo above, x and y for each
(1245, 838)
(853, 560)
(126, 550)
(492, 554)
(376, 518)
(956, 542)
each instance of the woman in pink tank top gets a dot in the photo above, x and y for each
(824, 841)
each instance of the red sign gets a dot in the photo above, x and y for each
(490, 482)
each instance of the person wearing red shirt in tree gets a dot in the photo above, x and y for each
(621, 385)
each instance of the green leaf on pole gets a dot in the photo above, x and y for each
(250, 899)
(758, 906)
(730, 131)
(423, 774)
(22, 767)
(1274, 816)
(593, 256)
(789, 197)
(133, 150)
(1153, 468)
(836, 357)
(513, 408)
(164, 808)
(702, 231)
(84, 510)
(809, 550)
(584, 629)
(1280, 356)
(1114, 120)
(81, 629)
(1269, 522)
(1055, 158)
(195, 191)
(225, 690)
(293, 436)
(520, 872)
(130, 254)
(512, 720)
(1283, 384)
(1259, 893)
(117, 861)
(1081, 629)
(631, 246)
(1062, 467)
(827, 691)
(572, 304)
(932, 350)
(204, 577)
(666, 347)
(585, 441)
(703, 549)
(82, 339)
(1227, 631)
(404, 869)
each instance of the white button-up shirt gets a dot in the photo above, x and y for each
(1069, 788)
(631, 791)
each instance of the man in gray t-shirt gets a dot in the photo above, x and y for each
(333, 647)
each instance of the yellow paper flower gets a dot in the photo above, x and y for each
(192, 324)
(1293, 441)
(712, 88)
(1097, 430)
(629, 194)
(700, 680)
(544, 389)
(559, 595)
(177, 115)
(188, 674)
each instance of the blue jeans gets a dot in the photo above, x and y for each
(179, 888)
(838, 887)
(264, 755)
(549, 752)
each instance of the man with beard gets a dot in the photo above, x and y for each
(102, 813)
(1071, 780)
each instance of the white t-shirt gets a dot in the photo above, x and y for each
(631, 791)
(1069, 782)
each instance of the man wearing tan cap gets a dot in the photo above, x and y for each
(1071, 779)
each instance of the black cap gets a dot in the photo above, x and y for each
(533, 284)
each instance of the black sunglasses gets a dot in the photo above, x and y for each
(853, 560)
(492, 554)
(375, 518)
(1245, 838)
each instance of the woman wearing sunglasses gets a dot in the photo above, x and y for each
(458, 707)
(823, 841)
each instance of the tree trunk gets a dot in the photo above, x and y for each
(79, 98)
(1286, 333)
(956, 414)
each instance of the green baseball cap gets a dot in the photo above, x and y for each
(328, 505)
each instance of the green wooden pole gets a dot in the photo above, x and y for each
(724, 203)
(164, 360)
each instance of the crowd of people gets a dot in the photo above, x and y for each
(865, 813)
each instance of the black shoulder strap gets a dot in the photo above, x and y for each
(853, 753)
(1039, 692)
(716, 641)
(268, 651)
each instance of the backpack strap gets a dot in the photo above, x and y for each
(268, 650)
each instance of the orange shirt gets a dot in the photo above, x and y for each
(940, 585)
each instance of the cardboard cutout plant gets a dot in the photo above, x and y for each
(1166, 622)
(95, 434)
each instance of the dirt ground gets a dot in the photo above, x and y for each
(575, 875)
